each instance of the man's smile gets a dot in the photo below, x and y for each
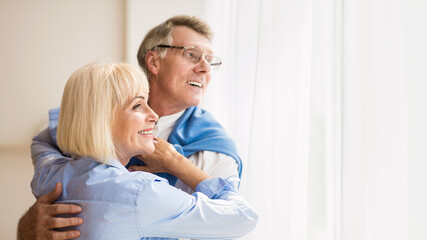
(195, 84)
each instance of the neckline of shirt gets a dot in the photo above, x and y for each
(169, 119)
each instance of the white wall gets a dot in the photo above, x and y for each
(42, 42)
(142, 15)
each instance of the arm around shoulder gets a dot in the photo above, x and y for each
(40, 221)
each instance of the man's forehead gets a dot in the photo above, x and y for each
(182, 36)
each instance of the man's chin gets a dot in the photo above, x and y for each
(195, 102)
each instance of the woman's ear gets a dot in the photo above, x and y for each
(152, 62)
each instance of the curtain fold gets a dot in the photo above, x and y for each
(383, 63)
(326, 101)
(283, 64)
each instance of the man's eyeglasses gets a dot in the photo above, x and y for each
(194, 55)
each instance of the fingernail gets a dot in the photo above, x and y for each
(73, 234)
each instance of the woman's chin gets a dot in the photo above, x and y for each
(148, 150)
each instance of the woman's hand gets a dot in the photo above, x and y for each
(162, 159)
(166, 159)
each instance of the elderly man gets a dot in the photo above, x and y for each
(177, 58)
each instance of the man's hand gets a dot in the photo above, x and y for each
(39, 222)
(161, 160)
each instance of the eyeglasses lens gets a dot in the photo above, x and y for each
(194, 54)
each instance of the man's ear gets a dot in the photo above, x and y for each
(152, 62)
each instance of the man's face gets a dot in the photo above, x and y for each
(181, 83)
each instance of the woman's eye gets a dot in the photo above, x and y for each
(137, 107)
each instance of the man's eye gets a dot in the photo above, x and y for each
(192, 55)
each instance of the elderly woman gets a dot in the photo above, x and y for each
(103, 122)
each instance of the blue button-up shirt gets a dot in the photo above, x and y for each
(118, 204)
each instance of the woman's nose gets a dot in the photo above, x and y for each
(153, 116)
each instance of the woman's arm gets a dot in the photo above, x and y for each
(166, 159)
(214, 211)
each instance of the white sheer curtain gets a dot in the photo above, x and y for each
(281, 79)
(385, 115)
(326, 101)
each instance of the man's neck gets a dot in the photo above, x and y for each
(163, 109)
(160, 104)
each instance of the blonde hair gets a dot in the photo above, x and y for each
(91, 97)
(162, 34)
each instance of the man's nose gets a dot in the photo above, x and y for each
(203, 65)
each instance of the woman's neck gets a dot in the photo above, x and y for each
(123, 158)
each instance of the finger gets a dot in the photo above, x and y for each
(140, 157)
(65, 235)
(52, 196)
(64, 222)
(56, 209)
(139, 168)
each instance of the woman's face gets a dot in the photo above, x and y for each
(132, 128)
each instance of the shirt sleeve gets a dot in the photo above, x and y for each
(214, 211)
(47, 160)
(214, 164)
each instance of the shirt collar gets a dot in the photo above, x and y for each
(112, 162)
(115, 163)
(169, 120)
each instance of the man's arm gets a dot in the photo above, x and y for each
(40, 220)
